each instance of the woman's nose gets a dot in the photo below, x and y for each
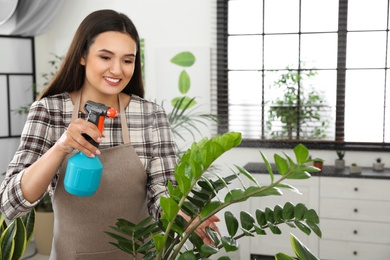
(115, 68)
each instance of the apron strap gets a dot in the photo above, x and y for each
(125, 129)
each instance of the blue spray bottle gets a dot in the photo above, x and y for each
(83, 173)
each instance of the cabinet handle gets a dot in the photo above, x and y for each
(355, 210)
(356, 189)
(355, 232)
(354, 252)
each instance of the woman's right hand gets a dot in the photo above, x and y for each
(73, 138)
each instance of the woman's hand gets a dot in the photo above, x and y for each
(73, 138)
(201, 230)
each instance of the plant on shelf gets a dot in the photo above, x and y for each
(199, 196)
(378, 165)
(299, 111)
(16, 235)
(339, 162)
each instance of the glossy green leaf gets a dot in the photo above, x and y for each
(281, 164)
(254, 191)
(184, 59)
(213, 235)
(20, 239)
(274, 229)
(247, 220)
(246, 174)
(283, 256)
(301, 153)
(230, 244)
(159, 241)
(259, 230)
(224, 258)
(231, 223)
(312, 216)
(269, 215)
(247, 232)
(209, 208)
(234, 194)
(29, 223)
(268, 165)
(188, 255)
(316, 229)
(300, 211)
(260, 217)
(301, 251)
(7, 241)
(169, 207)
(303, 227)
(196, 241)
(288, 211)
(278, 213)
(289, 187)
(208, 250)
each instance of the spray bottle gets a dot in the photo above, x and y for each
(83, 173)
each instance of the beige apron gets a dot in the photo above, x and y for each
(80, 222)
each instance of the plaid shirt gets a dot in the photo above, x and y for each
(48, 119)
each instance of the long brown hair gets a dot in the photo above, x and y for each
(71, 74)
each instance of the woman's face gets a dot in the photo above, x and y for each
(109, 64)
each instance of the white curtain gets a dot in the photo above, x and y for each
(33, 17)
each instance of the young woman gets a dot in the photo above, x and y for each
(102, 65)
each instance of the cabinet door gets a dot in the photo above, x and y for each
(353, 209)
(354, 188)
(271, 244)
(359, 231)
(336, 250)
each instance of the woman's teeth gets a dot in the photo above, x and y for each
(112, 80)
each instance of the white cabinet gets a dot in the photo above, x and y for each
(354, 218)
(271, 244)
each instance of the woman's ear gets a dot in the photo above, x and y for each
(82, 61)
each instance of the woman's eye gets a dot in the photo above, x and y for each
(105, 57)
(128, 61)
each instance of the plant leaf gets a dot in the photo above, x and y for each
(283, 256)
(288, 211)
(230, 244)
(281, 164)
(247, 220)
(247, 174)
(169, 207)
(301, 251)
(184, 82)
(301, 153)
(231, 223)
(188, 255)
(184, 59)
(268, 165)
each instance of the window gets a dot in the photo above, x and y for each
(16, 82)
(304, 71)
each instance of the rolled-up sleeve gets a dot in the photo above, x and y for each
(34, 142)
(162, 163)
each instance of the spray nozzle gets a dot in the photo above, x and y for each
(96, 114)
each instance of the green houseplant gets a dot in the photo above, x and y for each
(298, 106)
(339, 162)
(16, 235)
(199, 196)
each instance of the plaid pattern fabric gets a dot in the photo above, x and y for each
(149, 132)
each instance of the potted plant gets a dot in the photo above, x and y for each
(319, 163)
(378, 166)
(16, 235)
(199, 197)
(339, 162)
(355, 169)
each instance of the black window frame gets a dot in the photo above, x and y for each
(222, 92)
